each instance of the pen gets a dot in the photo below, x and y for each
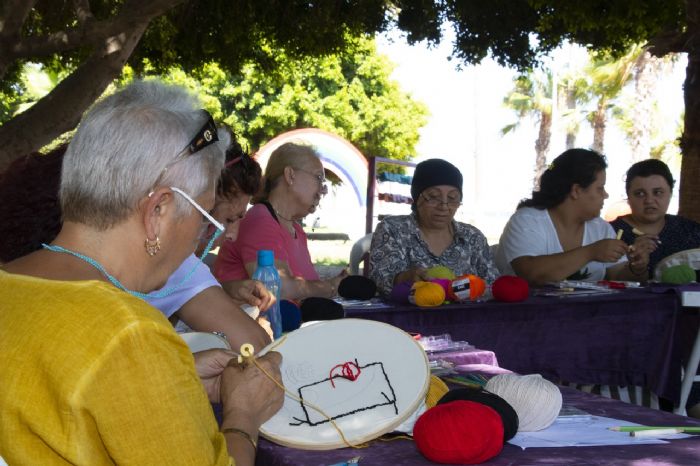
(619, 233)
(693, 429)
(655, 432)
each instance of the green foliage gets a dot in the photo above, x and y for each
(349, 94)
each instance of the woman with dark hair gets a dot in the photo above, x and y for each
(405, 246)
(649, 186)
(558, 234)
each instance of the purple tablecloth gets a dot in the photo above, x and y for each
(628, 338)
(404, 452)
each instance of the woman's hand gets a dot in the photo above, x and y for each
(411, 275)
(249, 397)
(209, 365)
(638, 252)
(607, 250)
(335, 282)
(251, 292)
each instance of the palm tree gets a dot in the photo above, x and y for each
(638, 115)
(532, 97)
(607, 77)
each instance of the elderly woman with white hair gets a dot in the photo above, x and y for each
(91, 373)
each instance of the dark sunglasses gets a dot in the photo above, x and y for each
(206, 135)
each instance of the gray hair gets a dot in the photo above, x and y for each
(123, 146)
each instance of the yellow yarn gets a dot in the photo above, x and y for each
(426, 294)
(436, 390)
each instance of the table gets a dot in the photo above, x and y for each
(626, 338)
(404, 452)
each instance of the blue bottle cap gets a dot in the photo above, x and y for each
(266, 257)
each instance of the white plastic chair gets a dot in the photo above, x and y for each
(358, 254)
(692, 258)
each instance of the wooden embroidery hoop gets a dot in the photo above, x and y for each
(392, 383)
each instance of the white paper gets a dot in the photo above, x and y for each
(585, 431)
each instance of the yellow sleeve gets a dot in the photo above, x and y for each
(148, 404)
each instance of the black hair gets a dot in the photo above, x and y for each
(241, 173)
(574, 166)
(29, 205)
(646, 168)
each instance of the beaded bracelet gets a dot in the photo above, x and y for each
(242, 433)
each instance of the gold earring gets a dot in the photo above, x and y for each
(152, 247)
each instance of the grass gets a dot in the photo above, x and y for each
(331, 261)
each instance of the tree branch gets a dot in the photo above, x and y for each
(89, 32)
(14, 15)
(82, 10)
(61, 109)
(668, 42)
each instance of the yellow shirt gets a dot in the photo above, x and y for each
(90, 375)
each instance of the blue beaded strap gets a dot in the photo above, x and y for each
(160, 294)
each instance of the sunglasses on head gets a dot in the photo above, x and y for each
(206, 135)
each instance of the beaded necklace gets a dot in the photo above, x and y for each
(159, 294)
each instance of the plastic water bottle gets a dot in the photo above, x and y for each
(268, 275)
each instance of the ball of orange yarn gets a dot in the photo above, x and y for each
(466, 287)
(426, 294)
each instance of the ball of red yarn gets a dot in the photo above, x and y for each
(459, 432)
(510, 289)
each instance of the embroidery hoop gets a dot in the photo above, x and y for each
(391, 362)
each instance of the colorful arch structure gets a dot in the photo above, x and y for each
(336, 154)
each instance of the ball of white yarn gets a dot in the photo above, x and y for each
(537, 401)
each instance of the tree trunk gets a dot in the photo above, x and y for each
(689, 204)
(599, 127)
(646, 78)
(542, 147)
(61, 109)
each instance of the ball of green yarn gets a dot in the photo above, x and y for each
(440, 271)
(678, 274)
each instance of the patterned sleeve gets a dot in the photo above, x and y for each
(486, 267)
(387, 257)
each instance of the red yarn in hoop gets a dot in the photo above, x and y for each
(346, 372)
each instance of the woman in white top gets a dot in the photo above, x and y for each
(558, 234)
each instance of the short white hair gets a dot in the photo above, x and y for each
(122, 147)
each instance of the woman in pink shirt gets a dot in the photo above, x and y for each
(294, 184)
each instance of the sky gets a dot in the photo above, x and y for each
(464, 127)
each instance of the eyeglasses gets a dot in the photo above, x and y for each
(320, 178)
(434, 201)
(201, 210)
